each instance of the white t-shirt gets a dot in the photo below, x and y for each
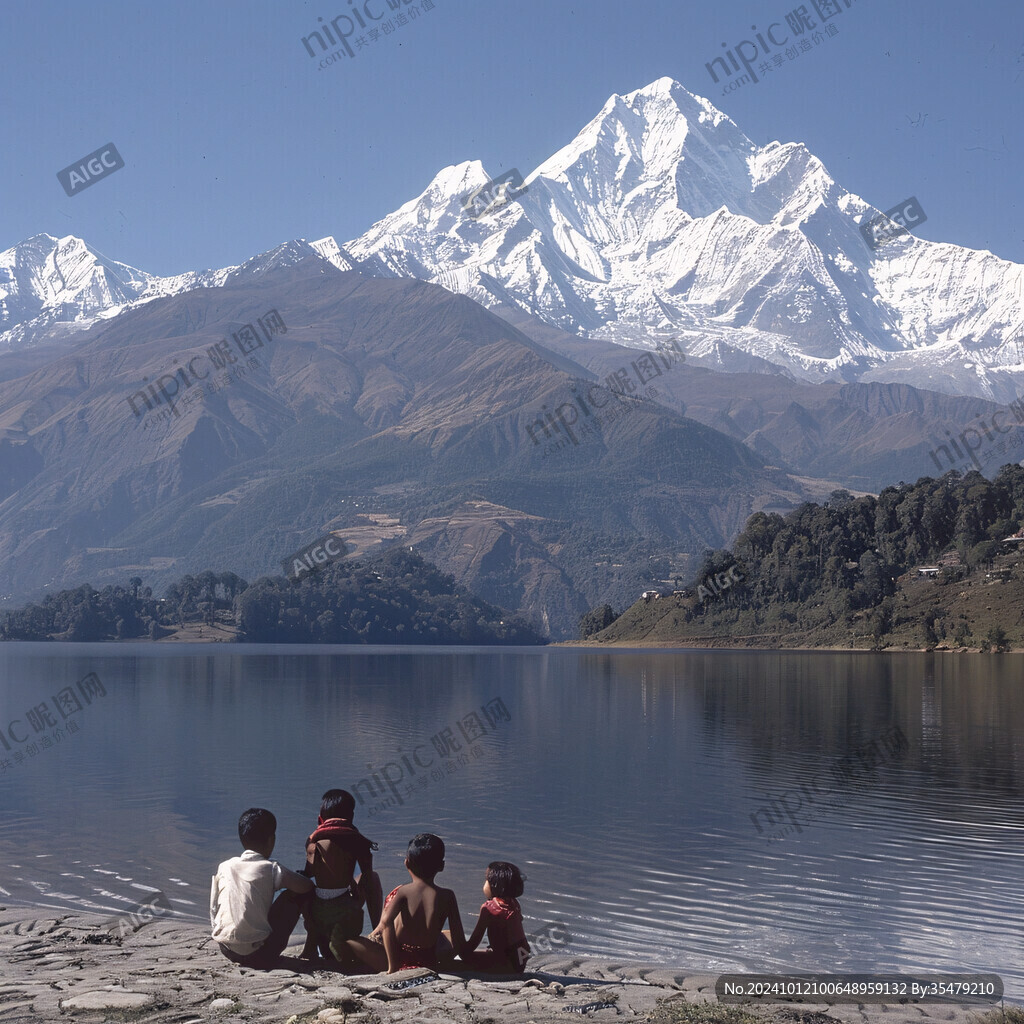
(240, 899)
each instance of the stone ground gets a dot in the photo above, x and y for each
(61, 967)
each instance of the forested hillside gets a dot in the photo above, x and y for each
(849, 573)
(397, 597)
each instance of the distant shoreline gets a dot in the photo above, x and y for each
(192, 634)
(693, 644)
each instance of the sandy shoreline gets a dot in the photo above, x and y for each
(67, 967)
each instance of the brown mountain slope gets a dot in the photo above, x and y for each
(374, 397)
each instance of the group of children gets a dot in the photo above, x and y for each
(252, 928)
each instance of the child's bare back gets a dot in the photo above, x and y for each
(414, 915)
(421, 909)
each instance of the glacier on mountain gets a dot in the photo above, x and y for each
(660, 219)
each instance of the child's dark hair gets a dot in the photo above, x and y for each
(255, 827)
(337, 803)
(425, 855)
(340, 803)
(505, 880)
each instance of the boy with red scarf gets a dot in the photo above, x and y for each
(335, 912)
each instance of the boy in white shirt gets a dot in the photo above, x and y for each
(249, 925)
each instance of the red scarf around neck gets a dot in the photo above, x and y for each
(337, 828)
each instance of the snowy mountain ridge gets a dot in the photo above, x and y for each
(660, 218)
(51, 287)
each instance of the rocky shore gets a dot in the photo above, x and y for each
(60, 967)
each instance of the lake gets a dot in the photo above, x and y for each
(720, 811)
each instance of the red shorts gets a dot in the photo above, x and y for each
(512, 961)
(417, 956)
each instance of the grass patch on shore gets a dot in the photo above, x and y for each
(1011, 1015)
(679, 1011)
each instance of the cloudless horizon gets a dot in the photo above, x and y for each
(236, 140)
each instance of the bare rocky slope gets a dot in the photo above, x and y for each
(389, 407)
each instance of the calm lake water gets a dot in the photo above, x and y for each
(719, 811)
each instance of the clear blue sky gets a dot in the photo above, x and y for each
(235, 141)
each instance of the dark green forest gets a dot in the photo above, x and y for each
(847, 568)
(806, 557)
(395, 598)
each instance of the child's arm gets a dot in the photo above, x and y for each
(214, 899)
(371, 885)
(387, 931)
(294, 881)
(478, 932)
(455, 924)
(309, 870)
(391, 946)
(389, 914)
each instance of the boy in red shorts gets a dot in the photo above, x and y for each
(414, 915)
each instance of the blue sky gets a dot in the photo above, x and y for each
(234, 140)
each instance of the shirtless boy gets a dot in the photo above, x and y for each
(414, 915)
(332, 853)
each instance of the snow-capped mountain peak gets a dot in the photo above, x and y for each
(661, 217)
(63, 279)
(51, 288)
